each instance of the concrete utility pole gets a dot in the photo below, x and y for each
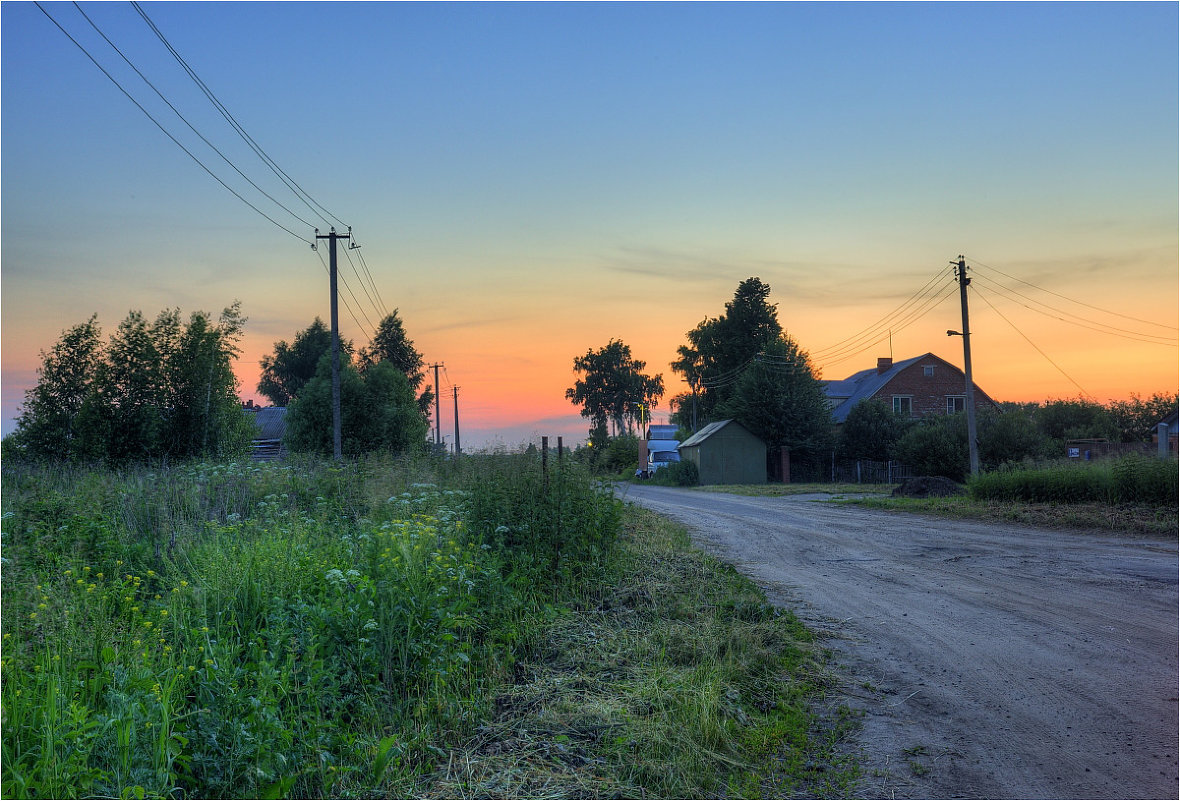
(456, 391)
(437, 420)
(332, 236)
(972, 444)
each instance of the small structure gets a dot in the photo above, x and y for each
(1166, 436)
(726, 452)
(920, 387)
(270, 424)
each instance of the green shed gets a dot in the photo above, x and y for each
(726, 452)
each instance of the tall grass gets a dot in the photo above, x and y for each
(1132, 479)
(241, 630)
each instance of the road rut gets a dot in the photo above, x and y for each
(990, 661)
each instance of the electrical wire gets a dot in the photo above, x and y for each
(885, 321)
(1134, 336)
(351, 313)
(1029, 341)
(978, 263)
(928, 306)
(217, 104)
(185, 121)
(381, 314)
(165, 131)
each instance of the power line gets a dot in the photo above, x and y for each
(1071, 300)
(1102, 328)
(165, 131)
(1029, 341)
(185, 121)
(927, 306)
(347, 306)
(217, 104)
(884, 321)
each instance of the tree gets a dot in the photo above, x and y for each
(718, 348)
(781, 401)
(870, 431)
(378, 412)
(1011, 435)
(48, 423)
(1136, 419)
(286, 372)
(936, 446)
(613, 385)
(158, 390)
(390, 344)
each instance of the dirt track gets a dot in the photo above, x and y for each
(990, 661)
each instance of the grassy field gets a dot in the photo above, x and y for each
(386, 629)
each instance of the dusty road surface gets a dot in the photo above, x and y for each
(990, 661)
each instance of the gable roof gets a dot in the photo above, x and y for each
(865, 384)
(710, 430)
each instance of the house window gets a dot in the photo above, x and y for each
(955, 403)
(903, 405)
(928, 370)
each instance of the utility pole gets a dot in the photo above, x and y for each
(332, 236)
(456, 391)
(972, 445)
(437, 420)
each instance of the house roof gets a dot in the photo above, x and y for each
(271, 422)
(710, 430)
(862, 385)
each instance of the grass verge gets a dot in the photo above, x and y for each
(1127, 519)
(777, 490)
(679, 680)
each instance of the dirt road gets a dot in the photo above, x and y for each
(990, 661)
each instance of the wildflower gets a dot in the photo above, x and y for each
(98, 575)
(184, 583)
(147, 624)
(90, 587)
(39, 606)
(151, 573)
(118, 563)
(79, 581)
(32, 615)
(204, 629)
(86, 569)
(163, 613)
(137, 643)
(208, 661)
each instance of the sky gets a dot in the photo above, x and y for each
(530, 181)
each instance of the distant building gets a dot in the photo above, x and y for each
(726, 452)
(920, 387)
(270, 425)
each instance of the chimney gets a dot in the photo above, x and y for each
(884, 364)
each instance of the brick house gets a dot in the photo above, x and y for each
(918, 387)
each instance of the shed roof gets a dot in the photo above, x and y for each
(710, 430)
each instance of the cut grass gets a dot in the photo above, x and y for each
(679, 681)
(1129, 519)
(777, 490)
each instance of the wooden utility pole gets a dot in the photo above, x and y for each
(437, 406)
(972, 444)
(456, 395)
(332, 236)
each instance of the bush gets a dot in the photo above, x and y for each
(935, 447)
(678, 474)
(1132, 479)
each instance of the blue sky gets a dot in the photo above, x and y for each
(531, 180)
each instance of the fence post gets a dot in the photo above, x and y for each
(545, 459)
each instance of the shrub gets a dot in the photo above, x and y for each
(1132, 479)
(678, 474)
